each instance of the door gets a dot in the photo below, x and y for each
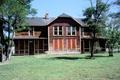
(31, 47)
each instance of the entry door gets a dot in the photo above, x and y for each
(31, 47)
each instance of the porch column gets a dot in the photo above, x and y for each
(80, 33)
(18, 47)
(43, 44)
(24, 46)
(83, 46)
(89, 45)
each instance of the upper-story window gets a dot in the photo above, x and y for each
(57, 30)
(71, 30)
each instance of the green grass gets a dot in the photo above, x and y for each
(61, 67)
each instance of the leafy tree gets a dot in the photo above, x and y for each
(12, 17)
(116, 22)
(112, 35)
(95, 19)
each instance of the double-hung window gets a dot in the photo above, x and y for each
(71, 30)
(57, 30)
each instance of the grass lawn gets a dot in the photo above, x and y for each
(61, 67)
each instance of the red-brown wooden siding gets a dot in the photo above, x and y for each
(71, 44)
(58, 44)
(64, 42)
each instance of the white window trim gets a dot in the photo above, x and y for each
(57, 31)
(71, 29)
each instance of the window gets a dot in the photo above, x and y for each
(60, 30)
(71, 30)
(57, 30)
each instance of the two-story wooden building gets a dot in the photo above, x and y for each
(63, 34)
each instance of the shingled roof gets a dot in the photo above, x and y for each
(41, 21)
(38, 21)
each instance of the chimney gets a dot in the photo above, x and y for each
(46, 16)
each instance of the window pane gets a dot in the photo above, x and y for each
(73, 30)
(55, 30)
(69, 30)
(60, 30)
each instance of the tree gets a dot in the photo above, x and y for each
(114, 27)
(112, 39)
(95, 20)
(12, 17)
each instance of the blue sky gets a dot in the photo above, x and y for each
(56, 7)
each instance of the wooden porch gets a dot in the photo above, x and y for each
(30, 46)
(86, 45)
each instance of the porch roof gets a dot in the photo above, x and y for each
(29, 37)
(100, 37)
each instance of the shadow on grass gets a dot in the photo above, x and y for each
(76, 58)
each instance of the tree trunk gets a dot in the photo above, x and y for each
(8, 45)
(110, 51)
(11, 49)
(2, 38)
(92, 44)
(92, 49)
(1, 57)
(118, 49)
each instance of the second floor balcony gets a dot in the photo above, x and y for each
(27, 34)
(89, 34)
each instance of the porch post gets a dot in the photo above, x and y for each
(34, 45)
(43, 44)
(83, 46)
(33, 32)
(24, 47)
(18, 47)
(89, 45)
(28, 46)
(80, 38)
(49, 44)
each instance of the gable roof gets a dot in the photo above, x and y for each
(64, 15)
(41, 21)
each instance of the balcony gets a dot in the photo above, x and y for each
(37, 33)
(86, 34)
(21, 34)
(89, 34)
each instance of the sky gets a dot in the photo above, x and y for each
(54, 8)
